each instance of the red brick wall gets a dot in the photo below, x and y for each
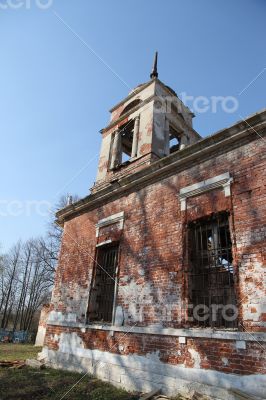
(214, 354)
(152, 247)
(44, 315)
(152, 261)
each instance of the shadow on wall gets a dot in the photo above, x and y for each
(152, 269)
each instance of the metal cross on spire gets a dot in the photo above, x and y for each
(154, 72)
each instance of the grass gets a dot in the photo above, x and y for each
(12, 352)
(50, 384)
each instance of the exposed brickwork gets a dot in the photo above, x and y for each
(44, 315)
(138, 204)
(213, 354)
(124, 170)
(152, 260)
(152, 244)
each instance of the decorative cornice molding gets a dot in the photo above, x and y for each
(222, 141)
(133, 93)
(223, 180)
(112, 219)
(124, 116)
(176, 332)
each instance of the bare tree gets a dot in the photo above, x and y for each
(26, 262)
(27, 275)
(11, 269)
(2, 269)
(55, 231)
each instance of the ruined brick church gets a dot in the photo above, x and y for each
(160, 281)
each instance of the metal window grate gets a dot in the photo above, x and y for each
(103, 289)
(210, 274)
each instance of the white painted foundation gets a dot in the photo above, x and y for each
(144, 373)
(40, 336)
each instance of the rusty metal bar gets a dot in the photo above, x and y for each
(104, 285)
(210, 273)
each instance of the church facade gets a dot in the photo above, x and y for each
(161, 275)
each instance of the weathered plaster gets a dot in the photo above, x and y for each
(137, 372)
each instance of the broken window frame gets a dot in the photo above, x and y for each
(210, 274)
(101, 305)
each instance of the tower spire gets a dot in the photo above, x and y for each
(154, 72)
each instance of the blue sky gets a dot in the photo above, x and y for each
(55, 92)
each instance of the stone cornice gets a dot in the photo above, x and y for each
(131, 94)
(144, 86)
(218, 181)
(131, 111)
(222, 141)
(176, 332)
(138, 107)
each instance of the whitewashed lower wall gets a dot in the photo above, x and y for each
(144, 373)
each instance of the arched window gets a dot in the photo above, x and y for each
(126, 132)
(174, 140)
(131, 105)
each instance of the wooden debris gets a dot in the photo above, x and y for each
(242, 395)
(16, 364)
(161, 397)
(150, 395)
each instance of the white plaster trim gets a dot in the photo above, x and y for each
(112, 219)
(241, 345)
(40, 336)
(223, 180)
(193, 332)
(57, 317)
(183, 202)
(104, 243)
(145, 373)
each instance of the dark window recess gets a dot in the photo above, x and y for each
(174, 140)
(126, 131)
(210, 274)
(103, 288)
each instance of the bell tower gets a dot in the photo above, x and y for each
(150, 123)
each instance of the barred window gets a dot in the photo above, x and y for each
(210, 274)
(103, 286)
